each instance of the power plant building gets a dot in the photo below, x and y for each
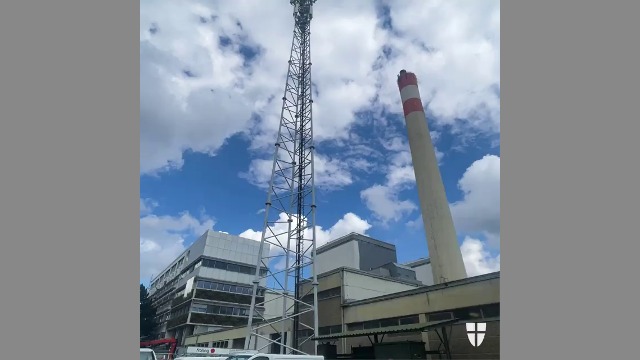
(357, 307)
(367, 299)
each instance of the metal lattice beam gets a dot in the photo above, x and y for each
(290, 213)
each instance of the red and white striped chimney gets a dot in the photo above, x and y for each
(442, 242)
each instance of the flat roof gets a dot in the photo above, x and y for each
(366, 273)
(389, 330)
(428, 288)
(398, 265)
(353, 237)
(418, 262)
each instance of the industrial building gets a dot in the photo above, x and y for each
(369, 305)
(359, 306)
(208, 287)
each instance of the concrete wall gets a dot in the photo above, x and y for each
(424, 274)
(445, 298)
(273, 305)
(439, 298)
(360, 287)
(461, 347)
(234, 248)
(345, 255)
(240, 333)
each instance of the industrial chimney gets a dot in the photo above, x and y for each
(442, 242)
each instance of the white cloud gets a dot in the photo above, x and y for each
(477, 259)
(179, 113)
(384, 203)
(349, 223)
(479, 210)
(383, 200)
(454, 49)
(329, 173)
(162, 239)
(147, 206)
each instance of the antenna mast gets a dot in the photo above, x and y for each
(291, 193)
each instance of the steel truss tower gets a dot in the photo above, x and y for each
(289, 224)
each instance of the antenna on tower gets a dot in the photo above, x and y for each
(290, 206)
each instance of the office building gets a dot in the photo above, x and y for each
(208, 287)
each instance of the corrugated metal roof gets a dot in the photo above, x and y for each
(389, 330)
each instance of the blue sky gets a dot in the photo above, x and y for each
(211, 74)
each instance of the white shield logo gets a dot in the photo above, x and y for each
(475, 333)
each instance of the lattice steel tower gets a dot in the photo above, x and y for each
(289, 225)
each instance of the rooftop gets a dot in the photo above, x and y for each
(397, 265)
(354, 237)
(418, 262)
(366, 273)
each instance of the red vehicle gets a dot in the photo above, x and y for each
(165, 349)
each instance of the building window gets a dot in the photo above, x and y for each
(371, 324)
(440, 316)
(410, 320)
(388, 322)
(220, 344)
(325, 330)
(223, 265)
(490, 311)
(236, 289)
(303, 334)
(199, 308)
(382, 323)
(220, 310)
(470, 313)
(467, 313)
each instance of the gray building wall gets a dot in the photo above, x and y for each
(354, 251)
(230, 249)
(344, 255)
(374, 255)
(422, 267)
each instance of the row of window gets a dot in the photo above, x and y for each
(221, 344)
(477, 312)
(171, 271)
(219, 310)
(162, 318)
(183, 310)
(382, 323)
(323, 330)
(236, 289)
(223, 265)
(214, 264)
(166, 297)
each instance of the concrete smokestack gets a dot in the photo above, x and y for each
(444, 251)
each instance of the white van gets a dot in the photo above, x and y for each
(262, 356)
(254, 355)
(147, 354)
(202, 353)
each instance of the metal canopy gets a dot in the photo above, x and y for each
(422, 327)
